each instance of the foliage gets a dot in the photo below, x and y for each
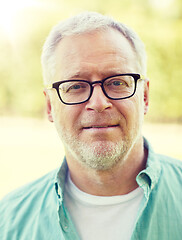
(159, 27)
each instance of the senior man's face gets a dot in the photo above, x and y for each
(100, 132)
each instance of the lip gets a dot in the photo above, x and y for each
(100, 127)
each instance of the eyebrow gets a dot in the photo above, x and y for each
(79, 74)
(85, 75)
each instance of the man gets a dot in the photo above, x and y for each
(111, 184)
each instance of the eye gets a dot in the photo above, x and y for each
(117, 83)
(73, 87)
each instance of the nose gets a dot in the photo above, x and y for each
(98, 101)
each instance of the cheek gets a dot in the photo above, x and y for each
(66, 117)
(132, 110)
(138, 111)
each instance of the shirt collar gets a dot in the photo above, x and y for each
(148, 178)
(60, 180)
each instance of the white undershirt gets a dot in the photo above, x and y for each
(100, 217)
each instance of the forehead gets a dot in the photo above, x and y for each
(95, 52)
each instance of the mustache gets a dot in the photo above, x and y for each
(92, 119)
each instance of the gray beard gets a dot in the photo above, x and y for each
(99, 155)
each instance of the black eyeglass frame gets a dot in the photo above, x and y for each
(135, 76)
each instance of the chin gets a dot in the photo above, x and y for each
(98, 155)
(101, 155)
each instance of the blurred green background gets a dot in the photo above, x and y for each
(24, 26)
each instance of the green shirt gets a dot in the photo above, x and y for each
(37, 211)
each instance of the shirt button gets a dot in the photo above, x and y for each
(65, 228)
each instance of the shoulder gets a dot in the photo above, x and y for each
(31, 209)
(171, 172)
(169, 163)
(164, 170)
(22, 201)
(33, 187)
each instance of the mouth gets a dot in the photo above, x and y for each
(101, 126)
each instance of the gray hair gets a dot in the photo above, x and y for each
(84, 23)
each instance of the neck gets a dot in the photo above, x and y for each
(119, 180)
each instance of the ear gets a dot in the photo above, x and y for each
(146, 96)
(48, 106)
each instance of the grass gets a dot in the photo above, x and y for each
(30, 148)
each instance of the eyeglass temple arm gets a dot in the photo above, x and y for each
(48, 86)
(142, 77)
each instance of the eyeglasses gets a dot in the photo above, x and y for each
(115, 87)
